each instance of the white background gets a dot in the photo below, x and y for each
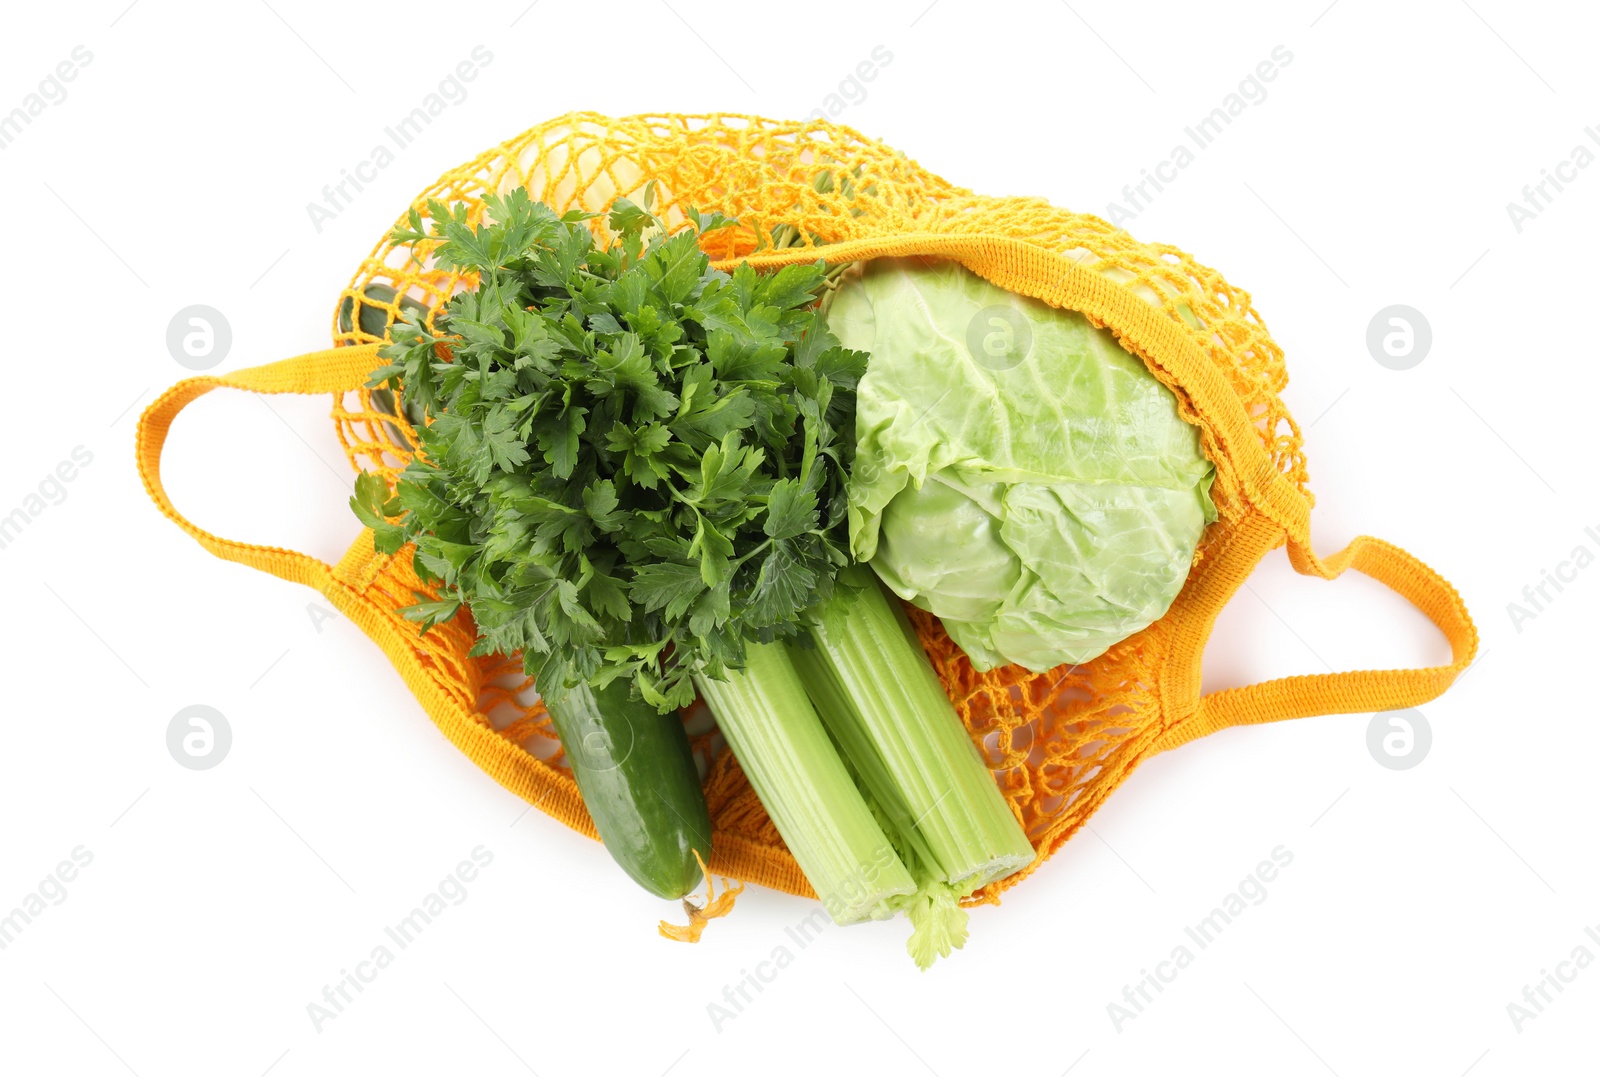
(219, 903)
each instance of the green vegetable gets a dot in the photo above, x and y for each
(1017, 472)
(374, 320)
(376, 314)
(871, 683)
(637, 777)
(806, 787)
(880, 698)
(634, 463)
(883, 800)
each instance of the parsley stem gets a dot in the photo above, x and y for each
(767, 545)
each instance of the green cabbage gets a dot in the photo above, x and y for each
(1017, 472)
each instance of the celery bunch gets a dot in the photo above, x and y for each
(851, 744)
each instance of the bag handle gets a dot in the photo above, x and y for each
(1328, 693)
(335, 370)
(340, 370)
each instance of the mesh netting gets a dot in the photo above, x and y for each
(1058, 742)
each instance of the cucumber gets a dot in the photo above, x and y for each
(374, 318)
(374, 321)
(637, 777)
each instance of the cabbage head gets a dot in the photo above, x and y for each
(1017, 472)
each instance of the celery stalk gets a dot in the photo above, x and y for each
(774, 731)
(874, 688)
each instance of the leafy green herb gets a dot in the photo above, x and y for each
(634, 462)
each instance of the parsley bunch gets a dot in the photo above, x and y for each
(633, 462)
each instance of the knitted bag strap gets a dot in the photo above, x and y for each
(342, 370)
(1318, 693)
(336, 370)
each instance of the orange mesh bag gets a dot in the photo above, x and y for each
(1058, 742)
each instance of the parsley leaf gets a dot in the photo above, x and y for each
(632, 463)
(791, 510)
